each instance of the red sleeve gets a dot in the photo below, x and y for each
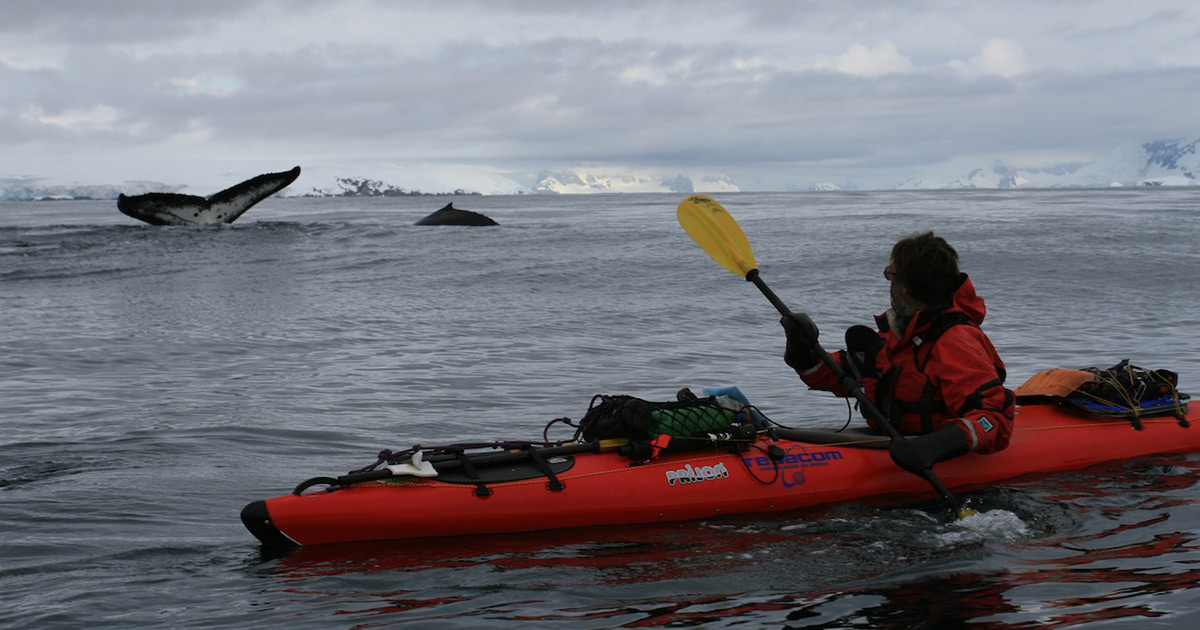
(970, 375)
(823, 378)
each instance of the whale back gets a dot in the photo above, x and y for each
(449, 215)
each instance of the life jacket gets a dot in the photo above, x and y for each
(897, 408)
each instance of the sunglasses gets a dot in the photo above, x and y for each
(889, 273)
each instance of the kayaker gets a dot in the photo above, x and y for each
(929, 368)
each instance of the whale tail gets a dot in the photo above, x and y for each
(255, 188)
(222, 207)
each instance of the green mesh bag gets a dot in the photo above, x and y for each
(611, 417)
(690, 421)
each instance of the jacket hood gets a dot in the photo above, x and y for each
(966, 300)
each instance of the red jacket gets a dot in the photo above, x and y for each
(943, 369)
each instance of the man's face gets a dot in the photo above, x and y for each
(900, 303)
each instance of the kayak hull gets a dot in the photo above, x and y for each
(605, 488)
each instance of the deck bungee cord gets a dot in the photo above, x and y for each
(637, 429)
(1121, 391)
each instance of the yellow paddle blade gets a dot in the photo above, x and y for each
(715, 231)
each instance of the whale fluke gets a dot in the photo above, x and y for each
(223, 207)
(449, 215)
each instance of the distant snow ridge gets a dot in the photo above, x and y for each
(1158, 163)
(575, 182)
(1001, 176)
(1168, 162)
(365, 187)
(36, 188)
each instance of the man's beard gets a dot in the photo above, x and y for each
(900, 310)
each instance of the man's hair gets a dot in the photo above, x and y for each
(928, 266)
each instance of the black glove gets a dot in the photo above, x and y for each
(920, 454)
(801, 353)
(862, 346)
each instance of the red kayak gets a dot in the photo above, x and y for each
(589, 484)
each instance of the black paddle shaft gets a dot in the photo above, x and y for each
(851, 384)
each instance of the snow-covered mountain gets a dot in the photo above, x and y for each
(364, 187)
(1174, 162)
(319, 180)
(580, 181)
(30, 188)
(825, 187)
(402, 179)
(391, 180)
(1159, 163)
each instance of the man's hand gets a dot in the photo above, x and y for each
(801, 353)
(921, 453)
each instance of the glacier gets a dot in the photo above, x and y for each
(582, 181)
(1163, 162)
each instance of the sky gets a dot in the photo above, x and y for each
(773, 94)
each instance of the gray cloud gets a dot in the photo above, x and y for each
(752, 87)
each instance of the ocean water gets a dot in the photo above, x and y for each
(153, 380)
